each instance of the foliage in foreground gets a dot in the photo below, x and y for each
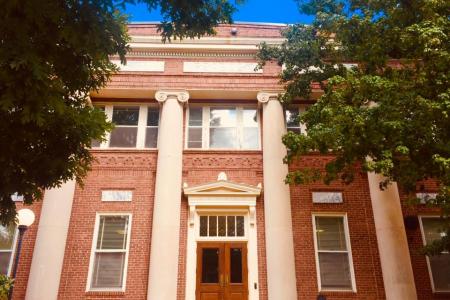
(392, 104)
(52, 55)
(5, 286)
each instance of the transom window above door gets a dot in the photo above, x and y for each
(136, 126)
(222, 226)
(223, 127)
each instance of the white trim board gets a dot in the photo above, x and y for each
(220, 67)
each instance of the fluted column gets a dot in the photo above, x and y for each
(281, 278)
(50, 245)
(395, 260)
(163, 275)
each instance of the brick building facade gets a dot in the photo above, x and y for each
(186, 198)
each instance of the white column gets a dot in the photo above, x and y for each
(163, 276)
(49, 248)
(392, 242)
(281, 278)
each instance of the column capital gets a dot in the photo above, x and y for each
(181, 95)
(264, 97)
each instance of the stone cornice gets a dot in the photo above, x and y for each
(181, 95)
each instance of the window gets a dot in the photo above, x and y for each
(438, 265)
(110, 252)
(217, 127)
(7, 239)
(222, 226)
(333, 253)
(292, 114)
(136, 126)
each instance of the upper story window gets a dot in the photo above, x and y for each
(136, 126)
(438, 265)
(292, 114)
(223, 127)
(7, 238)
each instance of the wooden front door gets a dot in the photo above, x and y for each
(222, 271)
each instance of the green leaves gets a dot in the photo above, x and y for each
(393, 108)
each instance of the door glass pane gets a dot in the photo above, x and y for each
(112, 232)
(210, 265)
(203, 226)
(222, 226)
(213, 226)
(235, 265)
(240, 226)
(108, 270)
(230, 226)
(330, 233)
(335, 271)
(123, 137)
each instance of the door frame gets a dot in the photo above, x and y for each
(250, 238)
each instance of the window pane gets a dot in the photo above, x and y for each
(222, 138)
(250, 138)
(123, 137)
(440, 267)
(432, 228)
(212, 226)
(222, 226)
(330, 233)
(225, 117)
(195, 137)
(292, 117)
(7, 237)
(230, 226)
(335, 271)
(151, 137)
(250, 117)
(203, 226)
(195, 116)
(210, 265)
(125, 115)
(108, 270)
(240, 226)
(5, 259)
(153, 116)
(112, 232)
(235, 265)
(96, 143)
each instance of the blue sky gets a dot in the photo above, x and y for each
(269, 11)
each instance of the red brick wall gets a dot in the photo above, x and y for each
(129, 170)
(357, 205)
(414, 236)
(201, 167)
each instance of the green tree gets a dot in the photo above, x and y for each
(393, 105)
(52, 54)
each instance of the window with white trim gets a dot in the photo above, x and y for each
(439, 265)
(333, 254)
(136, 126)
(7, 239)
(292, 113)
(110, 252)
(223, 127)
